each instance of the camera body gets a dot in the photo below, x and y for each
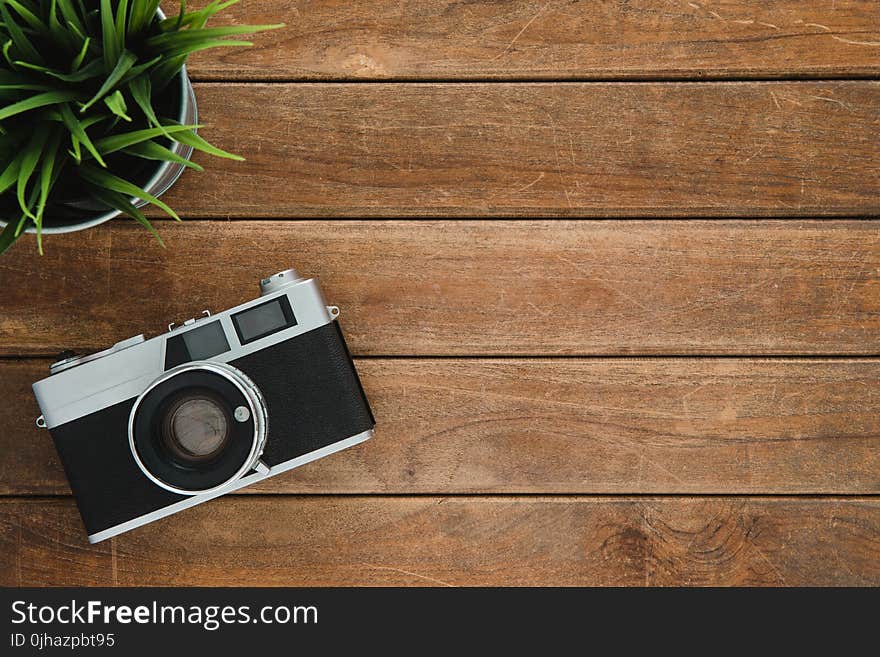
(152, 427)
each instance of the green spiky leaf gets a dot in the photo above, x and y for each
(71, 16)
(17, 36)
(81, 55)
(109, 145)
(31, 157)
(78, 130)
(109, 37)
(107, 180)
(141, 91)
(115, 102)
(123, 64)
(35, 102)
(10, 174)
(33, 21)
(119, 202)
(94, 69)
(150, 150)
(196, 142)
(48, 176)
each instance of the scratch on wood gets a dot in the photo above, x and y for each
(755, 154)
(605, 283)
(740, 21)
(688, 395)
(540, 311)
(777, 96)
(534, 182)
(520, 33)
(832, 523)
(766, 559)
(851, 42)
(844, 105)
(410, 573)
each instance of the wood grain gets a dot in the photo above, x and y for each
(560, 39)
(604, 149)
(563, 426)
(456, 541)
(471, 287)
(538, 454)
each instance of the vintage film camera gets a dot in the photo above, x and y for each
(151, 427)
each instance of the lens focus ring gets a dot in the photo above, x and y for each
(188, 434)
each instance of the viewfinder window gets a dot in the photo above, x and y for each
(263, 320)
(206, 342)
(198, 344)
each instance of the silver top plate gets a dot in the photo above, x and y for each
(127, 369)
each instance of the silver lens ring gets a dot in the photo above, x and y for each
(256, 407)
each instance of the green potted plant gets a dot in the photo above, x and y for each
(97, 114)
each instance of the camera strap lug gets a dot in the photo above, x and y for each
(262, 468)
(334, 311)
(41, 423)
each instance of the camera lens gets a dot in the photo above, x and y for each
(195, 427)
(198, 428)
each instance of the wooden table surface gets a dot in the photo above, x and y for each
(610, 272)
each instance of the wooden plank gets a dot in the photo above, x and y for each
(549, 150)
(563, 426)
(471, 287)
(606, 149)
(430, 541)
(42, 541)
(479, 39)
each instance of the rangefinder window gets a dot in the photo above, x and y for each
(198, 344)
(263, 320)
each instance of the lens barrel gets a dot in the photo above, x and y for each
(198, 428)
